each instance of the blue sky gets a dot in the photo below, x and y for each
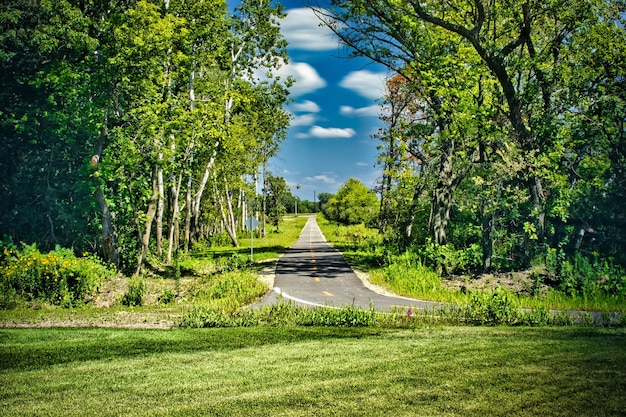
(335, 110)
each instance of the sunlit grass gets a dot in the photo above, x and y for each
(264, 248)
(419, 281)
(451, 371)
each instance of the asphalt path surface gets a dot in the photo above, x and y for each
(315, 274)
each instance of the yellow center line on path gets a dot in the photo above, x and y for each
(317, 279)
(327, 293)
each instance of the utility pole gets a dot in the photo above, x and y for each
(296, 199)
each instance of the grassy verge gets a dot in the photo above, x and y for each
(405, 275)
(269, 247)
(218, 277)
(295, 371)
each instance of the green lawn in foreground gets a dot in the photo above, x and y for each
(261, 371)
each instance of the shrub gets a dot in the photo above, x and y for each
(57, 277)
(579, 276)
(135, 293)
(493, 308)
(167, 296)
(448, 260)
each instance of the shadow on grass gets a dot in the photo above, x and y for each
(30, 349)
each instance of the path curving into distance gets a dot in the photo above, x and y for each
(313, 273)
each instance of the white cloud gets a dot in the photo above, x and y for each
(302, 30)
(331, 132)
(365, 83)
(303, 120)
(307, 106)
(324, 179)
(362, 164)
(370, 111)
(307, 78)
(310, 108)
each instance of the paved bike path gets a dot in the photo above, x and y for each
(313, 273)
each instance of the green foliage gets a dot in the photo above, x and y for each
(58, 277)
(354, 203)
(358, 237)
(280, 314)
(102, 104)
(135, 293)
(407, 275)
(492, 309)
(578, 276)
(496, 308)
(276, 190)
(167, 296)
(549, 169)
(447, 260)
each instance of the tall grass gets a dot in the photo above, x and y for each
(228, 291)
(407, 274)
(482, 309)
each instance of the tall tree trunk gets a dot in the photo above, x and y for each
(231, 215)
(110, 251)
(442, 203)
(537, 194)
(160, 209)
(265, 202)
(450, 177)
(174, 223)
(197, 198)
(488, 229)
(150, 214)
(408, 230)
(188, 214)
(226, 219)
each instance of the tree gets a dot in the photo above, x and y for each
(354, 203)
(494, 80)
(119, 114)
(47, 119)
(276, 191)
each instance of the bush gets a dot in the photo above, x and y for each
(448, 260)
(579, 276)
(167, 297)
(492, 309)
(135, 293)
(57, 277)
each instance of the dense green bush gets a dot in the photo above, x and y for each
(578, 276)
(492, 308)
(58, 277)
(135, 293)
(448, 260)
(354, 203)
(230, 290)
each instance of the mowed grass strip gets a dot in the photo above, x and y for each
(298, 371)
